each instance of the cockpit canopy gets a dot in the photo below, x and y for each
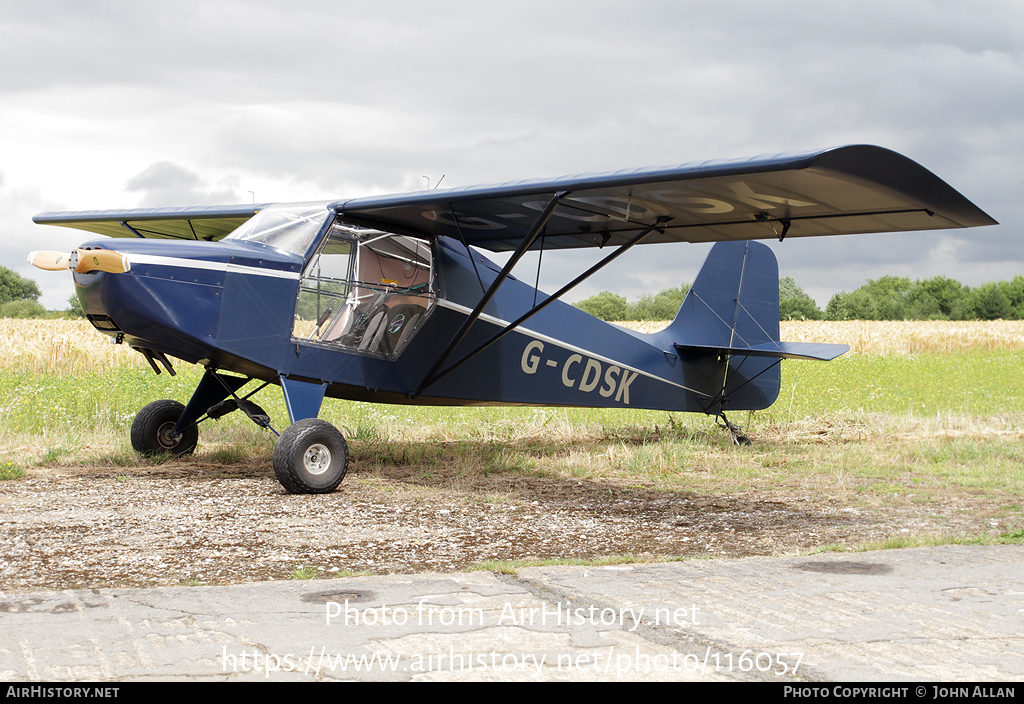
(292, 227)
(364, 290)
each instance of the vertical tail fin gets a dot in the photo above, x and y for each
(732, 313)
(733, 305)
(734, 301)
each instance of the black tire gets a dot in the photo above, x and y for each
(311, 457)
(151, 430)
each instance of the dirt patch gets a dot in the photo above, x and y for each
(189, 522)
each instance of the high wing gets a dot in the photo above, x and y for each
(844, 190)
(207, 223)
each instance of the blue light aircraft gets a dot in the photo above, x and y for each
(387, 299)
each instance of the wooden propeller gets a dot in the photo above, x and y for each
(50, 261)
(81, 261)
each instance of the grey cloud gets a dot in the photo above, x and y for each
(353, 98)
(167, 184)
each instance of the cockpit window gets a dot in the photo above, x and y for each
(365, 290)
(289, 227)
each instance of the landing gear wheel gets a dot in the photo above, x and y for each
(311, 457)
(151, 430)
(738, 438)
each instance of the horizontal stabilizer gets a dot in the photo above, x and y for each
(778, 350)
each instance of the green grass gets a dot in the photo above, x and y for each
(10, 470)
(977, 383)
(1012, 538)
(305, 573)
(849, 424)
(924, 541)
(336, 573)
(862, 432)
(974, 383)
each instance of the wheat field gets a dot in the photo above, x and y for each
(63, 346)
(71, 346)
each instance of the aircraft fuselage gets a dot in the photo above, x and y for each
(232, 306)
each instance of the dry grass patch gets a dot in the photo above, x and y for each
(911, 337)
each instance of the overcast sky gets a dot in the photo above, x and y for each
(122, 104)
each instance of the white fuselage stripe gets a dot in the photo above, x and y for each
(180, 262)
(564, 345)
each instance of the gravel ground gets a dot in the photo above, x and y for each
(189, 522)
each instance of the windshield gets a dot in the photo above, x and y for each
(289, 227)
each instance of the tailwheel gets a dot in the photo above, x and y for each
(152, 430)
(311, 457)
(738, 438)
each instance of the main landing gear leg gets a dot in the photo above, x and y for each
(168, 426)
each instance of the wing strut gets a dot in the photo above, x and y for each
(659, 226)
(125, 225)
(527, 242)
(465, 244)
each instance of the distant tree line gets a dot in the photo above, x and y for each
(937, 298)
(19, 298)
(887, 298)
(611, 306)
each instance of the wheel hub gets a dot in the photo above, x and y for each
(165, 438)
(317, 459)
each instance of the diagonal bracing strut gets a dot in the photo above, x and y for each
(527, 242)
(550, 299)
